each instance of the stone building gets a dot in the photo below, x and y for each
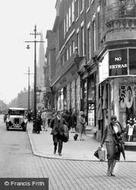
(91, 59)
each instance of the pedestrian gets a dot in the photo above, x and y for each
(114, 144)
(44, 120)
(130, 129)
(73, 121)
(58, 132)
(38, 123)
(81, 125)
(66, 116)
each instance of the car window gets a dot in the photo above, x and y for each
(16, 112)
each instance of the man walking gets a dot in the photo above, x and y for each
(58, 132)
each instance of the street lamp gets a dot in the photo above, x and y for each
(35, 74)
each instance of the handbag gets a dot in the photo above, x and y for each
(100, 154)
(96, 154)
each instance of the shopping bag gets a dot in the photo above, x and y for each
(96, 154)
(101, 154)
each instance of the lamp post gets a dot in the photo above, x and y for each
(28, 73)
(35, 74)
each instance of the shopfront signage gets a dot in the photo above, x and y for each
(104, 68)
(118, 66)
(118, 62)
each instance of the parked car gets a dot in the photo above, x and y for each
(16, 119)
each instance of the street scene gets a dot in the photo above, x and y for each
(29, 155)
(68, 95)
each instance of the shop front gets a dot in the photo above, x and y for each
(117, 90)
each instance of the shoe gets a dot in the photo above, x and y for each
(112, 175)
(54, 152)
(60, 154)
(108, 174)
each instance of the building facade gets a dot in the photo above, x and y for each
(91, 57)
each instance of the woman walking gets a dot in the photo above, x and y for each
(81, 125)
(114, 143)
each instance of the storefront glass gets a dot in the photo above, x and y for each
(127, 108)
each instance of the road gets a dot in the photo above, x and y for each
(17, 160)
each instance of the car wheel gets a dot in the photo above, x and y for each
(24, 129)
(7, 128)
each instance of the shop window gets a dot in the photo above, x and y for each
(118, 62)
(132, 61)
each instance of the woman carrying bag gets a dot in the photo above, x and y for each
(114, 143)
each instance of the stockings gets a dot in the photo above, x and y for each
(111, 165)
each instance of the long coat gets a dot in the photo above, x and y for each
(80, 123)
(115, 139)
(57, 126)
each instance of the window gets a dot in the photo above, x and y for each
(99, 22)
(94, 34)
(69, 15)
(132, 61)
(89, 42)
(118, 62)
(67, 22)
(64, 26)
(73, 47)
(73, 7)
(70, 51)
(76, 9)
(78, 43)
(82, 5)
(82, 42)
(67, 53)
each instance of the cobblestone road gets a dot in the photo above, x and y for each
(17, 160)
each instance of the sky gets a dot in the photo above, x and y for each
(17, 21)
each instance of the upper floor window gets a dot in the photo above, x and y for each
(89, 42)
(73, 46)
(82, 42)
(76, 9)
(70, 16)
(81, 5)
(94, 34)
(73, 9)
(78, 43)
(64, 26)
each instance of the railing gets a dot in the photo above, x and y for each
(120, 16)
(120, 11)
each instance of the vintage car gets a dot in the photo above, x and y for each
(16, 118)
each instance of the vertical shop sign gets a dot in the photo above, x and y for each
(118, 62)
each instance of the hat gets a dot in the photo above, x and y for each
(114, 117)
(81, 113)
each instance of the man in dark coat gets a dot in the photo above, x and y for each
(38, 123)
(57, 132)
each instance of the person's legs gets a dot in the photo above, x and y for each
(43, 124)
(112, 167)
(81, 133)
(110, 156)
(60, 145)
(109, 167)
(55, 143)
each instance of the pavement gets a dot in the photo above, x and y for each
(42, 145)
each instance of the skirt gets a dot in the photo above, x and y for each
(113, 152)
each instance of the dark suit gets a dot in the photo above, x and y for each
(57, 132)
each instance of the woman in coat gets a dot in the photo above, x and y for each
(114, 143)
(81, 125)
